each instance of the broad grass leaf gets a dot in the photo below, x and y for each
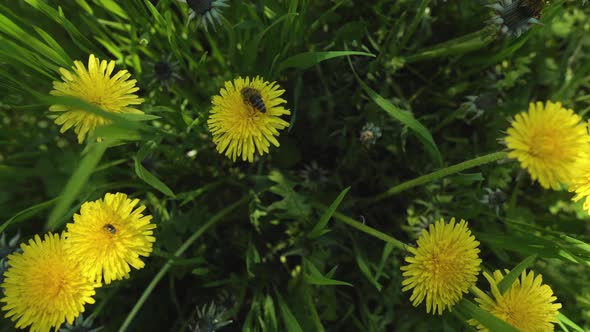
(491, 322)
(146, 175)
(77, 37)
(319, 228)
(509, 279)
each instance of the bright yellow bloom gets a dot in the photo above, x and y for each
(43, 288)
(546, 141)
(527, 304)
(96, 86)
(243, 121)
(444, 266)
(108, 236)
(580, 182)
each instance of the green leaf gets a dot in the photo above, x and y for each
(76, 182)
(309, 59)
(491, 322)
(365, 270)
(313, 276)
(318, 229)
(113, 7)
(289, 319)
(406, 119)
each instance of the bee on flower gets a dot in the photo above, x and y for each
(239, 126)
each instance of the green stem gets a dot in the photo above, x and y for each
(438, 174)
(214, 220)
(369, 230)
(460, 45)
(417, 19)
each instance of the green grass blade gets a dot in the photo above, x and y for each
(150, 288)
(27, 213)
(289, 319)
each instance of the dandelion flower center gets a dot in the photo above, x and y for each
(527, 305)
(108, 236)
(96, 86)
(43, 288)
(239, 126)
(546, 141)
(444, 266)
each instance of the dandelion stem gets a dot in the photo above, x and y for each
(148, 290)
(437, 175)
(367, 229)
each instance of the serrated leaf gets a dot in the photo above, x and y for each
(293, 205)
(313, 276)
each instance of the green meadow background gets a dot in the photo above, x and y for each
(303, 238)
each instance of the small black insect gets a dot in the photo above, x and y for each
(253, 98)
(110, 228)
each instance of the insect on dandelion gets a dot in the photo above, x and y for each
(546, 141)
(43, 288)
(527, 305)
(444, 265)
(237, 123)
(96, 86)
(108, 236)
(205, 11)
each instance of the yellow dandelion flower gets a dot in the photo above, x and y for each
(42, 288)
(96, 86)
(108, 236)
(245, 117)
(444, 266)
(546, 141)
(527, 305)
(580, 182)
